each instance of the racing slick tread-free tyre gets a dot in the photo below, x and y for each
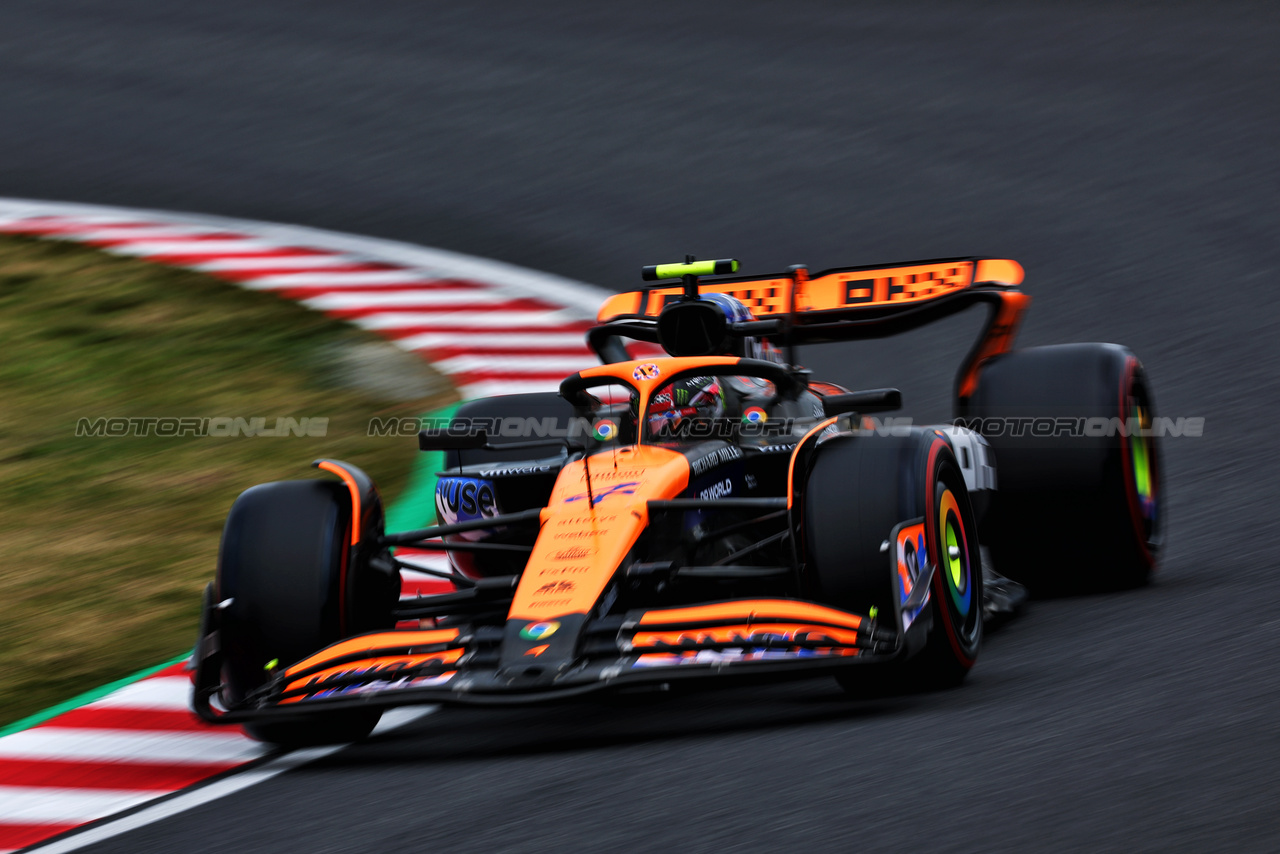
(859, 488)
(282, 561)
(1072, 513)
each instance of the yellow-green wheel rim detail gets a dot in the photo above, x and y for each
(1140, 460)
(953, 563)
(956, 570)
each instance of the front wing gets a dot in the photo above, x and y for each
(765, 637)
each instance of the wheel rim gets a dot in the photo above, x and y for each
(1140, 462)
(954, 561)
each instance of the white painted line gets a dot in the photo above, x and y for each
(275, 262)
(526, 340)
(158, 232)
(47, 805)
(340, 279)
(395, 299)
(495, 320)
(159, 693)
(192, 798)
(118, 745)
(494, 388)
(516, 365)
(105, 216)
(191, 247)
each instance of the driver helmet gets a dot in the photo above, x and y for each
(736, 311)
(691, 398)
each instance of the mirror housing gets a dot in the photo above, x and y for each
(863, 402)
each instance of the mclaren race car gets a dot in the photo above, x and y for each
(708, 512)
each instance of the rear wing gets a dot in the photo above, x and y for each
(846, 303)
(841, 291)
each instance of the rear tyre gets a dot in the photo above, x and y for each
(283, 563)
(1072, 513)
(858, 490)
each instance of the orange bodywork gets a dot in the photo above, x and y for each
(648, 375)
(763, 297)
(373, 644)
(884, 287)
(354, 489)
(585, 538)
(748, 610)
(998, 339)
(380, 666)
(795, 455)
(844, 289)
(875, 288)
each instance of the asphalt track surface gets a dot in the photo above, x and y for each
(1125, 154)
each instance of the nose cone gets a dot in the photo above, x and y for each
(536, 652)
(589, 528)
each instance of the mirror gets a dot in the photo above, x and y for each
(863, 402)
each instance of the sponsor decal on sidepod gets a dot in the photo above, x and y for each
(463, 499)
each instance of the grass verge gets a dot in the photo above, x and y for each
(105, 543)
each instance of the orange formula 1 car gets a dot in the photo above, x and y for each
(709, 513)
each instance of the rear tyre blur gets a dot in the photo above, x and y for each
(1071, 514)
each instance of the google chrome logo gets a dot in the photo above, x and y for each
(538, 631)
(754, 415)
(606, 430)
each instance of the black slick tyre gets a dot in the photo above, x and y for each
(1076, 512)
(858, 490)
(283, 564)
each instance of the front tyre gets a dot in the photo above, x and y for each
(282, 563)
(956, 635)
(858, 490)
